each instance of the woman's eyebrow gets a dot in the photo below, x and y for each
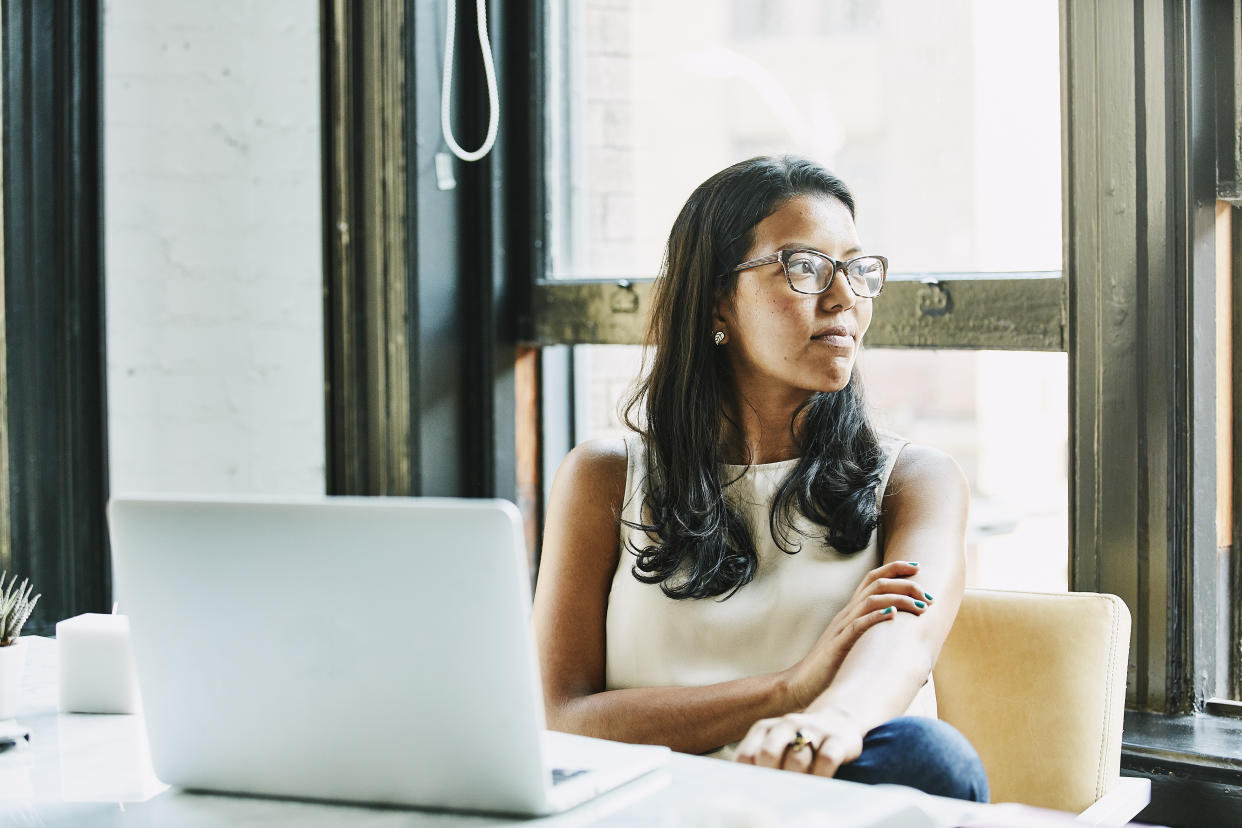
(853, 251)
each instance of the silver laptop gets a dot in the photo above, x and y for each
(373, 650)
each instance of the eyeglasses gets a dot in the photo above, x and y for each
(809, 271)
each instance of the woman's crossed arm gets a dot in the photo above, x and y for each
(924, 518)
(580, 557)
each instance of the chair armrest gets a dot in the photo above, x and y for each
(1120, 805)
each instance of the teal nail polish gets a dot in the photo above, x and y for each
(919, 604)
(912, 563)
(927, 595)
(887, 611)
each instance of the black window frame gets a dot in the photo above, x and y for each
(53, 415)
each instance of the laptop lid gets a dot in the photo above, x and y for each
(368, 649)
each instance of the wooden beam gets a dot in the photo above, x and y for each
(1004, 312)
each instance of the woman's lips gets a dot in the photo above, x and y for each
(837, 336)
(835, 340)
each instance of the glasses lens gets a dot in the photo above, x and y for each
(808, 271)
(866, 275)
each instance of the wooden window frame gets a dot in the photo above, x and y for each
(1133, 181)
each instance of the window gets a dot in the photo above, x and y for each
(1128, 306)
(999, 414)
(925, 127)
(946, 124)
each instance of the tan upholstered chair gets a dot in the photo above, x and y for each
(1037, 683)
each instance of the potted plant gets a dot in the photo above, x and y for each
(15, 607)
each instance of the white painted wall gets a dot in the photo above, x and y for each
(212, 196)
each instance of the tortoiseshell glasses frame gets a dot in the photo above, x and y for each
(811, 272)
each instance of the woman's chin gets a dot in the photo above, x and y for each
(837, 379)
(830, 384)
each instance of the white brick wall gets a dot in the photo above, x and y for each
(212, 211)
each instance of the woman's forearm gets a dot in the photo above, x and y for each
(925, 518)
(881, 675)
(686, 719)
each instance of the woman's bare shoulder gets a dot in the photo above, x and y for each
(598, 463)
(918, 462)
(593, 474)
(922, 472)
(580, 526)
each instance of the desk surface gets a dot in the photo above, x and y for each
(95, 770)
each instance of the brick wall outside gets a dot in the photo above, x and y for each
(214, 278)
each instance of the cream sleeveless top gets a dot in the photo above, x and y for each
(766, 626)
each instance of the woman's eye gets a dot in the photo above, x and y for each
(801, 266)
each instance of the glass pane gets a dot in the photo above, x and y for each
(942, 117)
(1003, 416)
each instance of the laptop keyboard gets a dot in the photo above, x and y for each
(560, 775)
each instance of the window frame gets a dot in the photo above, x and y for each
(1226, 24)
(1140, 193)
(421, 336)
(989, 311)
(53, 407)
(1153, 55)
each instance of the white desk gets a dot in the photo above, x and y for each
(95, 771)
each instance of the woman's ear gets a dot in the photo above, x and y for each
(722, 315)
(721, 318)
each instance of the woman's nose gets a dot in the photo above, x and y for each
(839, 295)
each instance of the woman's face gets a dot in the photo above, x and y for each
(783, 344)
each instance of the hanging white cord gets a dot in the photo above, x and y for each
(489, 70)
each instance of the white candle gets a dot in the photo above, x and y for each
(96, 665)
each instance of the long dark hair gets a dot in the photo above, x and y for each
(701, 547)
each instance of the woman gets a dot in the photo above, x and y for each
(737, 577)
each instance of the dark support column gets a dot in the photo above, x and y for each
(502, 229)
(423, 289)
(370, 312)
(53, 444)
(1194, 216)
(1139, 235)
(1224, 26)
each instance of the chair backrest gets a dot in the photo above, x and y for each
(1037, 683)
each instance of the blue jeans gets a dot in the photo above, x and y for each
(922, 753)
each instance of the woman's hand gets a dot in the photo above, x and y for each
(817, 743)
(885, 591)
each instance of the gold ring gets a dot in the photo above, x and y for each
(799, 742)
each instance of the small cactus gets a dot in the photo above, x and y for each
(15, 607)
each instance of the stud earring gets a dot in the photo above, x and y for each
(719, 338)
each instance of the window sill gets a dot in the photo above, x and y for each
(1194, 763)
